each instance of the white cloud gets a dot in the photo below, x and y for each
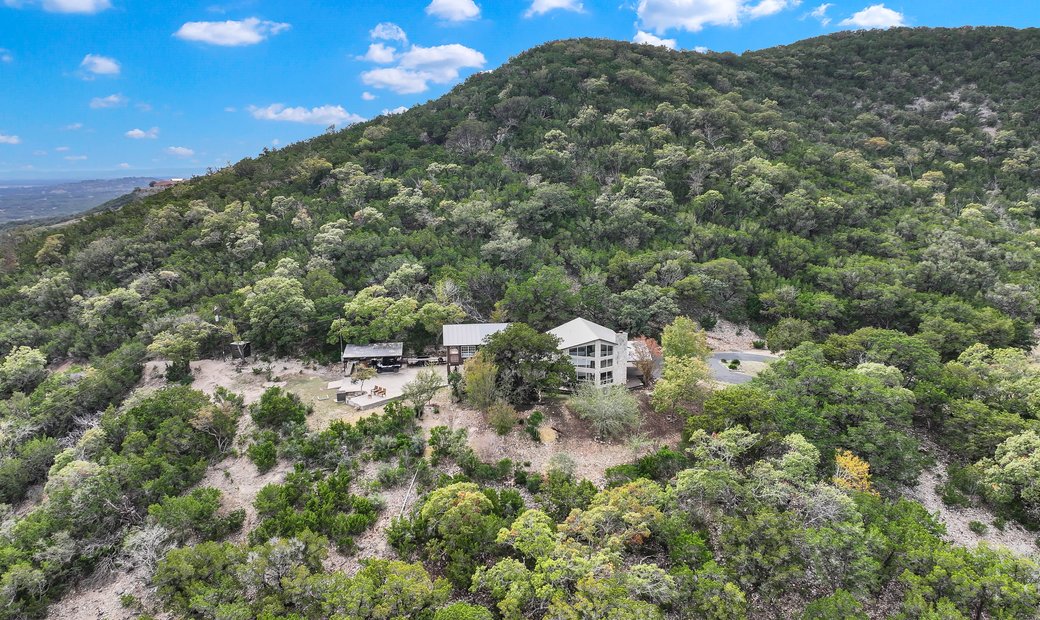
(388, 31)
(140, 134)
(453, 10)
(541, 7)
(9, 139)
(112, 101)
(75, 157)
(40, 153)
(367, 96)
(73, 127)
(398, 80)
(875, 16)
(660, 16)
(398, 110)
(700, 49)
(124, 166)
(180, 151)
(321, 115)
(276, 142)
(765, 8)
(230, 33)
(380, 53)
(144, 107)
(419, 66)
(231, 108)
(6, 56)
(820, 13)
(62, 149)
(650, 39)
(64, 6)
(95, 64)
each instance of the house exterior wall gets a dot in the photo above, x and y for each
(601, 362)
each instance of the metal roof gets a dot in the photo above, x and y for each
(377, 349)
(579, 331)
(470, 333)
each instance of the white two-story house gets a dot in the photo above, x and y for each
(599, 354)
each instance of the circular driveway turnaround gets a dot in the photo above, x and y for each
(722, 373)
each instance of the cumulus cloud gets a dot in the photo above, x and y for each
(9, 139)
(875, 16)
(321, 115)
(63, 6)
(367, 96)
(380, 53)
(124, 166)
(650, 39)
(75, 157)
(541, 7)
(398, 110)
(388, 31)
(660, 16)
(112, 101)
(420, 66)
(820, 13)
(96, 64)
(140, 134)
(764, 8)
(62, 149)
(180, 151)
(249, 31)
(453, 10)
(6, 56)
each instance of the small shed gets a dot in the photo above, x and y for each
(240, 349)
(383, 356)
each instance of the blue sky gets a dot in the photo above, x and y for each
(103, 88)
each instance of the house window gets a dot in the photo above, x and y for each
(583, 362)
(588, 350)
(586, 377)
(468, 351)
(606, 363)
(606, 350)
(606, 378)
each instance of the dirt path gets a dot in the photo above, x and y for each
(1013, 537)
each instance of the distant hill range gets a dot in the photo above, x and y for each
(24, 201)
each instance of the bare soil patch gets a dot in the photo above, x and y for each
(1013, 537)
(727, 336)
(573, 437)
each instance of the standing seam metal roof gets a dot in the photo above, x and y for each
(470, 333)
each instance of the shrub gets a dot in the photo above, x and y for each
(789, 333)
(195, 516)
(264, 451)
(978, 527)
(278, 409)
(463, 611)
(758, 344)
(480, 375)
(502, 417)
(612, 412)
(709, 322)
(533, 423)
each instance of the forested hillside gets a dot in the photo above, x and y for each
(868, 201)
